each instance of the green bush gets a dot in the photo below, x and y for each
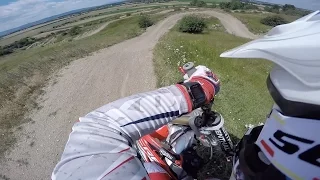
(236, 4)
(5, 51)
(296, 12)
(128, 14)
(117, 16)
(287, 7)
(176, 9)
(273, 9)
(225, 5)
(198, 3)
(273, 21)
(201, 4)
(145, 21)
(232, 5)
(75, 31)
(192, 24)
(250, 6)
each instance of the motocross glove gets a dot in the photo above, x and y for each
(208, 81)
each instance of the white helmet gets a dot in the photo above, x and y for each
(295, 49)
(294, 84)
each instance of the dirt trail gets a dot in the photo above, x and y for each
(84, 85)
(93, 32)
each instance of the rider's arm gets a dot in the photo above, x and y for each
(100, 144)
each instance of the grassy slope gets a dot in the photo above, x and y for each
(23, 74)
(243, 98)
(252, 20)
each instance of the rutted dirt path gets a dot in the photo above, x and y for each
(84, 85)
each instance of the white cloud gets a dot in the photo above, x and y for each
(25, 11)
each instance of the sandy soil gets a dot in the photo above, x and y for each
(84, 85)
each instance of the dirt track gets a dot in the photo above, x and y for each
(84, 85)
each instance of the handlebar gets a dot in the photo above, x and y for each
(204, 121)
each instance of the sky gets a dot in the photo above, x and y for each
(306, 4)
(14, 13)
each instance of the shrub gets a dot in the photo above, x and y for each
(292, 10)
(296, 12)
(225, 5)
(287, 7)
(273, 21)
(198, 3)
(236, 5)
(193, 2)
(117, 16)
(250, 6)
(5, 51)
(145, 21)
(276, 7)
(273, 9)
(201, 4)
(128, 14)
(192, 24)
(75, 31)
(176, 9)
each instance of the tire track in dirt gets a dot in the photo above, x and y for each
(84, 85)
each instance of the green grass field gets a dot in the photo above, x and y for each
(243, 98)
(252, 20)
(23, 74)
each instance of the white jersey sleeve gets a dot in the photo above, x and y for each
(99, 146)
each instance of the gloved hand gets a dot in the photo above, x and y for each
(207, 79)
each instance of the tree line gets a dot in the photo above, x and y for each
(288, 9)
